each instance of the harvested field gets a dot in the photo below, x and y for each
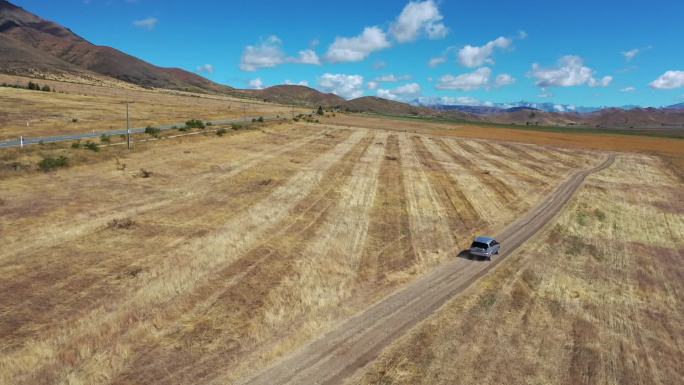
(78, 108)
(199, 272)
(595, 299)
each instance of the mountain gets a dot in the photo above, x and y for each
(679, 106)
(383, 106)
(30, 44)
(295, 94)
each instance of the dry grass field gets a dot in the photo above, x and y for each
(595, 299)
(236, 250)
(78, 108)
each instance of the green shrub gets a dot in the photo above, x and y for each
(209, 124)
(261, 119)
(76, 144)
(105, 139)
(45, 88)
(235, 126)
(91, 146)
(152, 131)
(194, 123)
(49, 163)
(221, 131)
(320, 111)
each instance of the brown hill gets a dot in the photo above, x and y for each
(384, 106)
(33, 44)
(301, 95)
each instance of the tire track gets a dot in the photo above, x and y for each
(339, 354)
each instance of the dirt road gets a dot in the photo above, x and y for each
(339, 354)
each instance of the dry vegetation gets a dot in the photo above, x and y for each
(596, 299)
(198, 273)
(78, 108)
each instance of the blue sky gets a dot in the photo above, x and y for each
(588, 53)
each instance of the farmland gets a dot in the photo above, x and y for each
(198, 271)
(595, 299)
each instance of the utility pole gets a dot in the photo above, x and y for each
(128, 126)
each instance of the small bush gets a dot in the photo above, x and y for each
(105, 139)
(194, 123)
(184, 129)
(261, 119)
(91, 146)
(74, 120)
(49, 163)
(235, 126)
(144, 173)
(209, 124)
(221, 131)
(152, 131)
(45, 88)
(320, 111)
(76, 144)
(121, 224)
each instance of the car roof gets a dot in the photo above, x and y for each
(484, 239)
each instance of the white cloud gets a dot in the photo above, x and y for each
(256, 84)
(391, 78)
(378, 65)
(301, 83)
(346, 86)
(603, 82)
(471, 56)
(465, 82)
(569, 72)
(206, 68)
(148, 23)
(522, 35)
(307, 56)
(669, 80)
(504, 80)
(404, 92)
(451, 101)
(269, 53)
(373, 85)
(351, 49)
(417, 18)
(437, 61)
(628, 89)
(631, 54)
(265, 55)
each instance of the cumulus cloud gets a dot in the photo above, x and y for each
(404, 92)
(472, 56)
(206, 68)
(504, 80)
(149, 23)
(465, 82)
(300, 83)
(269, 53)
(378, 65)
(417, 18)
(570, 71)
(307, 56)
(373, 85)
(453, 101)
(256, 84)
(437, 61)
(265, 55)
(391, 78)
(669, 80)
(357, 48)
(628, 89)
(346, 86)
(603, 82)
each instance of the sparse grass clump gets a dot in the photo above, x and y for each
(88, 145)
(221, 131)
(49, 163)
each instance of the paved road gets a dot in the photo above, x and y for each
(339, 354)
(97, 134)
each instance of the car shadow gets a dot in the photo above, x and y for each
(465, 254)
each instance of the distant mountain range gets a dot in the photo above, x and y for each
(34, 47)
(496, 108)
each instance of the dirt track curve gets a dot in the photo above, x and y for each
(339, 354)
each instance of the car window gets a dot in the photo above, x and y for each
(480, 245)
